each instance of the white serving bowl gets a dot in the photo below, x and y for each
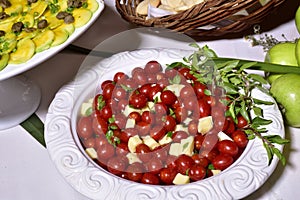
(242, 178)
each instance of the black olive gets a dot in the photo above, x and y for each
(74, 3)
(29, 30)
(42, 24)
(3, 15)
(69, 19)
(2, 33)
(5, 3)
(17, 27)
(62, 15)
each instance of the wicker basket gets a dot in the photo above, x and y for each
(210, 18)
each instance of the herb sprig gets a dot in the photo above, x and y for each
(238, 85)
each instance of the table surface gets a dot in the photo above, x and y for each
(26, 170)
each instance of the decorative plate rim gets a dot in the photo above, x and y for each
(242, 178)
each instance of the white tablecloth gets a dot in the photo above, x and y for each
(26, 171)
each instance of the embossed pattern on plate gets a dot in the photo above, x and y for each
(245, 176)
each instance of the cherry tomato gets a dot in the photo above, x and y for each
(119, 76)
(171, 73)
(135, 171)
(180, 114)
(148, 117)
(198, 140)
(145, 89)
(200, 160)
(242, 122)
(209, 154)
(105, 151)
(161, 153)
(120, 120)
(116, 165)
(203, 108)
(222, 161)
(157, 132)
(168, 97)
(160, 109)
(143, 128)
(127, 133)
(139, 76)
(89, 143)
(187, 91)
(153, 91)
(197, 172)
(228, 147)
(183, 163)
(122, 149)
(106, 112)
(153, 67)
(199, 89)
(100, 126)
(135, 115)
(119, 93)
(240, 138)
(150, 178)
(170, 162)
(169, 123)
(231, 126)
(177, 136)
(193, 127)
(84, 127)
(138, 100)
(167, 175)
(154, 165)
(104, 83)
(100, 140)
(186, 73)
(108, 90)
(143, 152)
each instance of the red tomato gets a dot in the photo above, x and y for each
(169, 123)
(197, 172)
(154, 165)
(240, 138)
(143, 152)
(153, 67)
(167, 175)
(183, 163)
(138, 100)
(149, 178)
(116, 165)
(168, 97)
(222, 161)
(228, 147)
(157, 132)
(135, 171)
(84, 127)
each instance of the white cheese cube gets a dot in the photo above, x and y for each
(187, 146)
(130, 123)
(85, 107)
(181, 127)
(156, 97)
(91, 152)
(205, 124)
(132, 158)
(181, 179)
(223, 136)
(187, 121)
(150, 105)
(215, 171)
(175, 88)
(175, 149)
(150, 142)
(165, 140)
(129, 110)
(133, 142)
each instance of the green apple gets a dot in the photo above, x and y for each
(283, 54)
(297, 19)
(297, 51)
(286, 91)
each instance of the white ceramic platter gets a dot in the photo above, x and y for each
(15, 69)
(242, 178)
